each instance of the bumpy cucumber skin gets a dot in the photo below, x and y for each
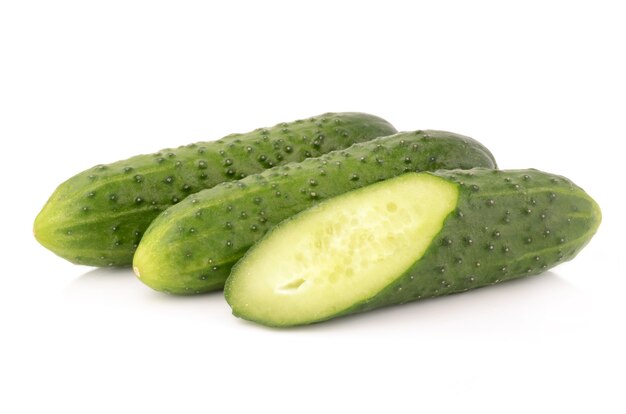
(98, 217)
(507, 225)
(192, 247)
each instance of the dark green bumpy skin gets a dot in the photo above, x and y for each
(507, 224)
(99, 216)
(191, 247)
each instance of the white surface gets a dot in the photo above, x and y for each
(542, 84)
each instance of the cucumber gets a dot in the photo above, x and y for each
(98, 216)
(417, 236)
(192, 246)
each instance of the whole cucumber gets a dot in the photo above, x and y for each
(192, 246)
(98, 216)
(412, 237)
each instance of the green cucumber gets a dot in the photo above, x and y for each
(98, 216)
(416, 236)
(192, 246)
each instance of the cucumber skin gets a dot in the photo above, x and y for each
(507, 225)
(192, 247)
(98, 216)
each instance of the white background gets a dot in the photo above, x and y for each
(542, 84)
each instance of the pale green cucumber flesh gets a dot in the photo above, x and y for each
(342, 252)
(191, 247)
(503, 225)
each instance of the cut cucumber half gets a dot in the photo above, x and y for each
(416, 236)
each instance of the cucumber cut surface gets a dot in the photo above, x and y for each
(343, 252)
